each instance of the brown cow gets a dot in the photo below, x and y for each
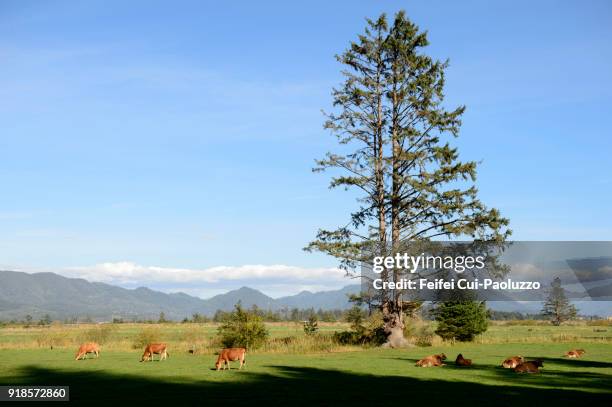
(461, 361)
(432, 360)
(575, 353)
(512, 362)
(229, 355)
(160, 349)
(529, 367)
(88, 347)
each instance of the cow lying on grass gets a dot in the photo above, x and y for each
(529, 367)
(160, 349)
(461, 361)
(229, 355)
(89, 347)
(512, 362)
(432, 360)
(575, 353)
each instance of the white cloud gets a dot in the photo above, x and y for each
(132, 273)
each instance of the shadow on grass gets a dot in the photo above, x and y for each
(549, 377)
(303, 386)
(577, 362)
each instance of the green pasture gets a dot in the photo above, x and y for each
(368, 376)
(302, 374)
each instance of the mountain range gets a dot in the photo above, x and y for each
(60, 297)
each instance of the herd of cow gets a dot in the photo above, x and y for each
(517, 363)
(227, 355)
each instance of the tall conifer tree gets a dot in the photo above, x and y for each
(557, 307)
(390, 119)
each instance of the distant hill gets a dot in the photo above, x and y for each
(247, 297)
(325, 299)
(61, 297)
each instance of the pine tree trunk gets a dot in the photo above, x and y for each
(386, 302)
(394, 325)
(394, 316)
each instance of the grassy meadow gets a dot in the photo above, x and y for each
(310, 370)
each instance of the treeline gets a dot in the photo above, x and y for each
(519, 316)
(28, 320)
(513, 316)
(293, 314)
(283, 315)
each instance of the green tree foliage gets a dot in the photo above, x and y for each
(162, 318)
(557, 307)
(311, 326)
(461, 320)
(220, 316)
(242, 328)
(394, 128)
(365, 329)
(355, 316)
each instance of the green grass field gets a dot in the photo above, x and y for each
(365, 376)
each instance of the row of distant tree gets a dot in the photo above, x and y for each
(287, 315)
(292, 315)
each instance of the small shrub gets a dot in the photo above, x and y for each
(347, 338)
(365, 330)
(243, 329)
(311, 326)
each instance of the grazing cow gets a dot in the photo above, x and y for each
(529, 367)
(229, 355)
(512, 362)
(160, 349)
(575, 353)
(461, 361)
(432, 360)
(88, 347)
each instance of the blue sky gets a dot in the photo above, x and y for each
(179, 136)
